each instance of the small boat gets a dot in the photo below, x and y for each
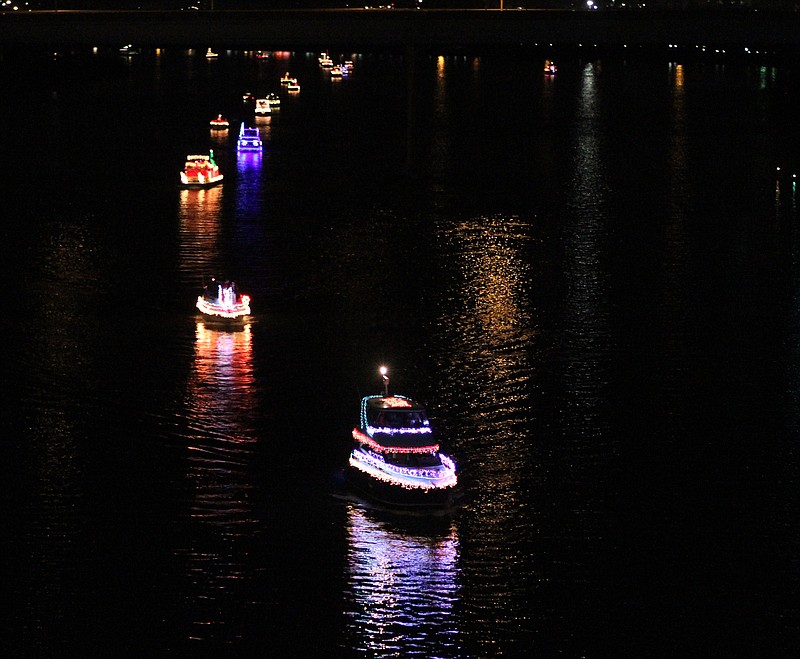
(293, 86)
(287, 79)
(200, 171)
(210, 54)
(248, 102)
(128, 50)
(395, 458)
(220, 123)
(550, 67)
(273, 100)
(348, 65)
(249, 139)
(336, 71)
(325, 61)
(222, 303)
(262, 54)
(262, 106)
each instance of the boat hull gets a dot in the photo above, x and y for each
(396, 496)
(196, 184)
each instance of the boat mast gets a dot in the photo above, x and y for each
(385, 377)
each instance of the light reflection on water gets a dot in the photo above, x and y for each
(200, 232)
(402, 589)
(221, 478)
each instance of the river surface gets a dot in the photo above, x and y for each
(592, 279)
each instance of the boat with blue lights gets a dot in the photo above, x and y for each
(550, 67)
(200, 171)
(249, 139)
(222, 303)
(395, 458)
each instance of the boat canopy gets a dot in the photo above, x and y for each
(396, 421)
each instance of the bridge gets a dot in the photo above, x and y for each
(362, 29)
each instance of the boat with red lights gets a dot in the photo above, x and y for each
(221, 302)
(219, 123)
(200, 171)
(395, 458)
(550, 67)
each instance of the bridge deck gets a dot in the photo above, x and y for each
(360, 28)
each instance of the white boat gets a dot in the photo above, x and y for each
(263, 106)
(325, 61)
(249, 139)
(200, 171)
(293, 86)
(210, 54)
(221, 302)
(395, 458)
(287, 79)
(274, 100)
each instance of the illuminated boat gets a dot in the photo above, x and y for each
(200, 171)
(550, 67)
(210, 54)
(325, 61)
(287, 79)
(274, 100)
(249, 139)
(395, 458)
(222, 303)
(293, 86)
(263, 106)
(220, 123)
(337, 71)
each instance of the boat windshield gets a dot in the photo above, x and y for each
(398, 418)
(413, 459)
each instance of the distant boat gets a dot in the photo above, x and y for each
(273, 100)
(263, 106)
(261, 54)
(550, 67)
(128, 51)
(220, 123)
(222, 303)
(249, 139)
(287, 79)
(211, 54)
(293, 86)
(336, 72)
(200, 171)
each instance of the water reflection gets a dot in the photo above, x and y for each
(221, 479)
(249, 182)
(220, 401)
(200, 230)
(585, 331)
(402, 588)
(486, 319)
(49, 385)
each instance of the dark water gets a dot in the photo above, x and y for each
(592, 280)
